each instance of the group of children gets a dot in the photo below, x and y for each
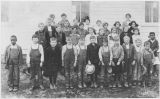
(119, 56)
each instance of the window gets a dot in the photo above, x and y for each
(4, 12)
(152, 11)
(82, 9)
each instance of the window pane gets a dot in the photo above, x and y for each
(155, 11)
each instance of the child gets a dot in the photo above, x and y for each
(69, 60)
(105, 26)
(129, 51)
(137, 68)
(13, 60)
(52, 16)
(104, 57)
(66, 28)
(87, 23)
(111, 37)
(148, 62)
(35, 59)
(154, 45)
(74, 36)
(135, 35)
(53, 62)
(75, 22)
(64, 18)
(98, 26)
(117, 25)
(91, 33)
(61, 38)
(81, 61)
(127, 21)
(81, 31)
(41, 35)
(117, 56)
(123, 34)
(50, 31)
(93, 58)
(132, 25)
(101, 36)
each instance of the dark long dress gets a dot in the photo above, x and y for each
(52, 62)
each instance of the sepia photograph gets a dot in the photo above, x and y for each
(80, 49)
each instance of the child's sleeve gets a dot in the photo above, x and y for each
(100, 54)
(88, 53)
(75, 53)
(63, 51)
(28, 55)
(42, 53)
(111, 54)
(20, 56)
(122, 54)
(6, 55)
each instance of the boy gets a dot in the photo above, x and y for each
(53, 62)
(101, 36)
(148, 62)
(104, 57)
(35, 59)
(40, 34)
(81, 62)
(52, 16)
(50, 31)
(69, 60)
(93, 58)
(81, 31)
(154, 45)
(13, 59)
(61, 38)
(129, 51)
(74, 36)
(105, 26)
(64, 18)
(91, 33)
(117, 56)
(123, 34)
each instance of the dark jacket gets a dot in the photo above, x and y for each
(61, 38)
(53, 61)
(131, 53)
(130, 33)
(92, 53)
(154, 46)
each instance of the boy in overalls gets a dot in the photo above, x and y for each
(81, 62)
(93, 58)
(104, 56)
(129, 61)
(148, 63)
(13, 59)
(35, 59)
(69, 60)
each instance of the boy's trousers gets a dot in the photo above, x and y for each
(36, 74)
(13, 76)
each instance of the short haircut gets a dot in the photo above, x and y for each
(146, 43)
(34, 36)
(63, 14)
(92, 37)
(40, 24)
(126, 37)
(116, 23)
(152, 33)
(98, 21)
(101, 29)
(52, 16)
(53, 39)
(13, 36)
(81, 24)
(68, 38)
(92, 29)
(105, 24)
(136, 28)
(128, 14)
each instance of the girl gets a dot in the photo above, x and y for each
(117, 25)
(66, 29)
(69, 61)
(87, 23)
(53, 62)
(35, 59)
(53, 23)
(135, 35)
(104, 57)
(81, 31)
(132, 25)
(117, 56)
(81, 62)
(123, 34)
(98, 26)
(91, 33)
(74, 36)
(127, 21)
(101, 36)
(61, 37)
(105, 26)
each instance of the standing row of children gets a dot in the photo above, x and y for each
(118, 55)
